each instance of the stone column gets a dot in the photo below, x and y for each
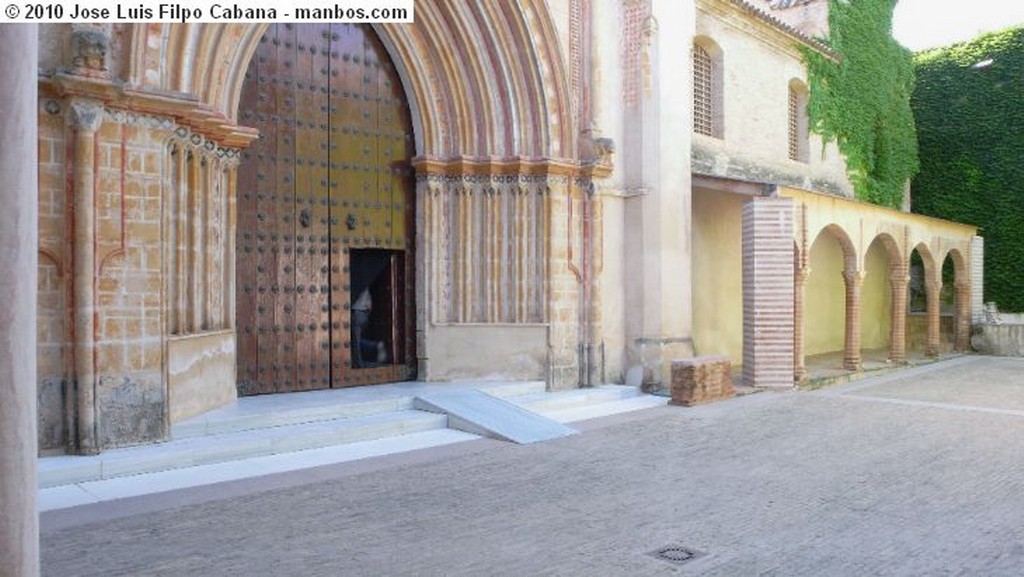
(19, 246)
(898, 331)
(85, 116)
(962, 317)
(800, 275)
(934, 333)
(851, 350)
(656, 169)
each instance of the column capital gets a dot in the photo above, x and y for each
(85, 114)
(855, 277)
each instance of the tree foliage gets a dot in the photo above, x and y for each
(969, 105)
(863, 100)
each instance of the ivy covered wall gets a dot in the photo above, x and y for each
(862, 101)
(969, 105)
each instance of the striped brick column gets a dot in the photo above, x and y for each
(768, 292)
(933, 290)
(799, 284)
(851, 349)
(898, 331)
(977, 280)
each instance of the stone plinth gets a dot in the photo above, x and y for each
(701, 380)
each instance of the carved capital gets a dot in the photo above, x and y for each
(85, 115)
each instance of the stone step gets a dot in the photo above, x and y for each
(91, 492)
(593, 411)
(558, 400)
(232, 446)
(260, 412)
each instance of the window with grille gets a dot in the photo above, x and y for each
(794, 137)
(703, 92)
(798, 145)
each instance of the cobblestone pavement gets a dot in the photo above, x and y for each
(915, 473)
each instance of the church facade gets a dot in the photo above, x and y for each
(574, 191)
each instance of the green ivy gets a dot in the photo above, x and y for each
(969, 105)
(863, 101)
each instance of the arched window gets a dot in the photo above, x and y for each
(707, 89)
(798, 137)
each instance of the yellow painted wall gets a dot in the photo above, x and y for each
(876, 299)
(718, 274)
(825, 298)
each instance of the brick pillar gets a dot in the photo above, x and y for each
(977, 279)
(962, 341)
(898, 332)
(85, 116)
(851, 349)
(19, 245)
(768, 292)
(933, 290)
(799, 284)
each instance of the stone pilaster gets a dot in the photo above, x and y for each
(852, 361)
(19, 243)
(899, 281)
(934, 288)
(768, 292)
(656, 174)
(85, 117)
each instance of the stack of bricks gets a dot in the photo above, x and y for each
(701, 380)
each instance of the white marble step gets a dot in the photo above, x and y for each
(189, 452)
(259, 412)
(90, 492)
(558, 400)
(593, 411)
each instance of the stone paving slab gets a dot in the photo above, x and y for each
(831, 482)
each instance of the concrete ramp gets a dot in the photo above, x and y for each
(482, 414)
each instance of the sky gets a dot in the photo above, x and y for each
(923, 24)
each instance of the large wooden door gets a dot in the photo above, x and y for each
(325, 210)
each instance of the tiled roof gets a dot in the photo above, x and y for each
(783, 4)
(755, 10)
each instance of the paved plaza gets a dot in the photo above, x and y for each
(917, 472)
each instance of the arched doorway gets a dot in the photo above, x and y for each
(325, 214)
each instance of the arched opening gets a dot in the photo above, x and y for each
(954, 302)
(920, 271)
(825, 300)
(877, 298)
(325, 235)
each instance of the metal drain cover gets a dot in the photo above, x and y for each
(676, 554)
